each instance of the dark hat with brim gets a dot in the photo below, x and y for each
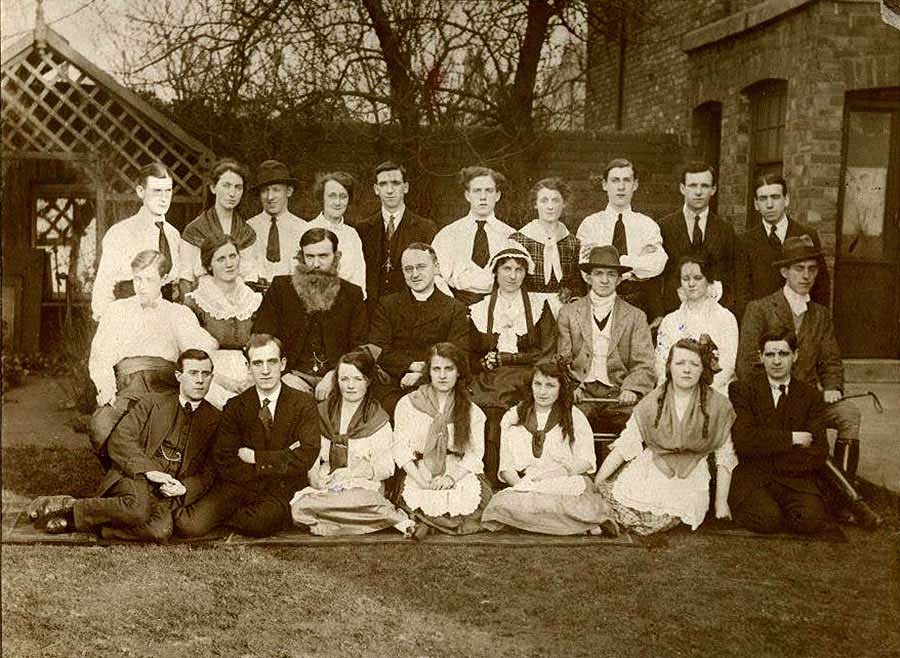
(795, 249)
(271, 172)
(606, 256)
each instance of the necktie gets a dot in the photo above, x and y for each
(273, 247)
(265, 416)
(188, 409)
(782, 393)
(164, 246)
(697, 236)
(773, 238)
(620, 242)
(481, 251)
(391, 227)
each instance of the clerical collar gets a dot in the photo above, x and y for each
(396, 214)
(610, 210)
(183, 401)
(422, 296)
(690, 214)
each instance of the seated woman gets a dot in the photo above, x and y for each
(439, 443)
(666, 442)
(546, 456)
(136, 345)
(555, 250)
(511, 329)
(226, 181)
(346, 492)
(225, 307)
(700, 313)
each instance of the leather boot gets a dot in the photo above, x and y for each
(46, 507)
(865, 516)
(846, 456)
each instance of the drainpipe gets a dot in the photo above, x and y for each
(620, 77)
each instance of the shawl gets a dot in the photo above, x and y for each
(434, 454)
(552, 264)
(678, 445)
(538, 436)
(210, 299)
(366, 420)
(207, 225)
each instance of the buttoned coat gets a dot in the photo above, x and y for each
(279, 469)
(718, 243)
(756, 277)
(629, 363)
(405, 329)
(763, 442)
(819, 358)
(135, 441)
(283, 314)
(379, 281)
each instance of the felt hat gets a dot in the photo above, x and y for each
(512, 249)
(603, 256)
(271, 172)
(797, 248)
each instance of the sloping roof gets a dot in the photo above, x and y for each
(56, 102)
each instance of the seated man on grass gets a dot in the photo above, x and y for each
(265, 445)
(159, 464)
(607, 343)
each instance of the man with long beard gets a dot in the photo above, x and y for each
(316, 315)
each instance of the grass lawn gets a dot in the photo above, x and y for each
(681, 595)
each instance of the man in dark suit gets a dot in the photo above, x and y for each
(160, 466)
(406, 324)
(819, 362)
(762, 244)
(694, 229)
(266, 443)
(387, 233)
(317, 316)
(780, 442)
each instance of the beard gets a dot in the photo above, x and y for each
(317, 289)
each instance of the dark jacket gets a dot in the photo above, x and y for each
(718, 244)
(279, 469)
(819, 359)
(405, 328)
(381, 281)
(756, 277)
(762, 437)
(282, 314)
(135, 441)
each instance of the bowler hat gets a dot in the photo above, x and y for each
(797, 248)
(605, 256)
(271, 172)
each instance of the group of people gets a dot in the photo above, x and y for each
(256, 374)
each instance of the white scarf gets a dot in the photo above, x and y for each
(601, 306)
(798, 303)
(552, 261)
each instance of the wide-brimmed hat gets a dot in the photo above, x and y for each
(797, 248)
(271, 172)
(513, 249)
(605, 256)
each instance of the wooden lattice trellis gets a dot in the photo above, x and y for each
(54, 101)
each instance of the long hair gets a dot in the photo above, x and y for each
(706, 378)
(461, 401)
(361, 360)
(552, 368)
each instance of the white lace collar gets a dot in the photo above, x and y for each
(210, 298)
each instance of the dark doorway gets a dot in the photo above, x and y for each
(867, 261)
(706, 137)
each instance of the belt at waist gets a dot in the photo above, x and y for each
(132, 364)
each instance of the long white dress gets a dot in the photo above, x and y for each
(352, 500)
(643, 487)
(557, 505)
(411, 431)
(706, 316)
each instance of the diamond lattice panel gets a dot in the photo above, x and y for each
(50, 105)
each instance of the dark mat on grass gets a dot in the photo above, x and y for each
(832, 533)
(17, 529)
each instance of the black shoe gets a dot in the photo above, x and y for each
(46, 507)
(865, 516)
(58, 525)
